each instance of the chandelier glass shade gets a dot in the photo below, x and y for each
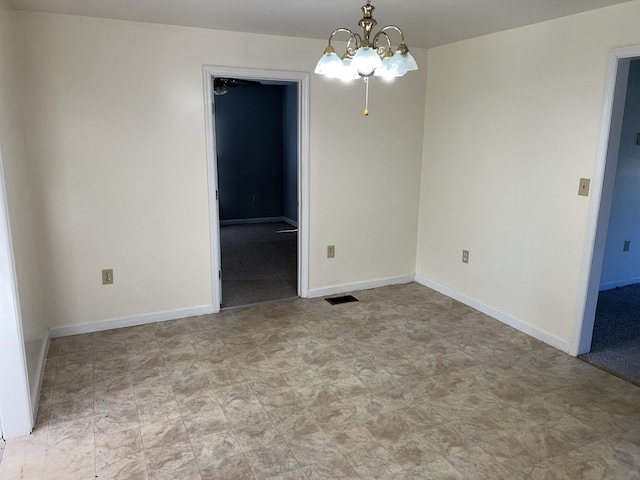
(365, 57)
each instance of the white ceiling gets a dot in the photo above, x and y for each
(426, 23)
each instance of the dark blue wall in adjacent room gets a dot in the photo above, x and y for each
(256, 143)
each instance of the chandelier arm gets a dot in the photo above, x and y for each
(378, 47)
(338, 30)
(393, 27)
(350, 51)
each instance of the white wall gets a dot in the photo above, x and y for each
(621, 268)
(512, 123)
(115, 126)
(23, 332)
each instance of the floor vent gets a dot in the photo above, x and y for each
(340, 300)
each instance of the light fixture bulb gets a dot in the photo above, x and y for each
(329, 64)
(388, 75)
(365, 61)
(402, 61)
(348, 72)
(386, 70)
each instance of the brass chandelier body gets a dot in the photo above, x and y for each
(365, 57)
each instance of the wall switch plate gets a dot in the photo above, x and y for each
(583, 189)
(627, 244)
(465, 256)
(107, 276)
(255, 199)
(331, 251)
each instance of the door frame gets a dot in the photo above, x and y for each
(601, 197)
(16, 411)
(302, 79)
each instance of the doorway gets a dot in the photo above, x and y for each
(257, 162)
(617, 75)
(254, 213)
(615, 338)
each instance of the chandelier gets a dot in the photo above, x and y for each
(365, 57)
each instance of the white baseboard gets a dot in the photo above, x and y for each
(622, 283)
(42, 361)
(242, 221)
(130, 321)
(520, 325)
(350, 287)
(524, 327)
(293, 223)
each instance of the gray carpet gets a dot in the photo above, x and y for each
(615, 347)
(258, 263)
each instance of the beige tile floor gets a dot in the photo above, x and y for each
(405, 384)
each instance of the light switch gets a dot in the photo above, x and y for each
(583, 189)
(107, 276)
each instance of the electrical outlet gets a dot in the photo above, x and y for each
(331, 251)
(627, 244)
(465, 256)
(255, 199)
(107, 276)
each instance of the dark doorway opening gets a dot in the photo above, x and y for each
(615, 343)
(257, 164)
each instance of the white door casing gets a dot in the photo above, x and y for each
(302, 79)
(15, 398)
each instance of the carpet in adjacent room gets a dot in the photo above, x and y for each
(259, 263)
(615, 347)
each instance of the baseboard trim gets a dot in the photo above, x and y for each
(130, 321)
(242, 221)
(623, 283)
(35, 396)
(350, 287)
(524, 327)
(291, 222)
